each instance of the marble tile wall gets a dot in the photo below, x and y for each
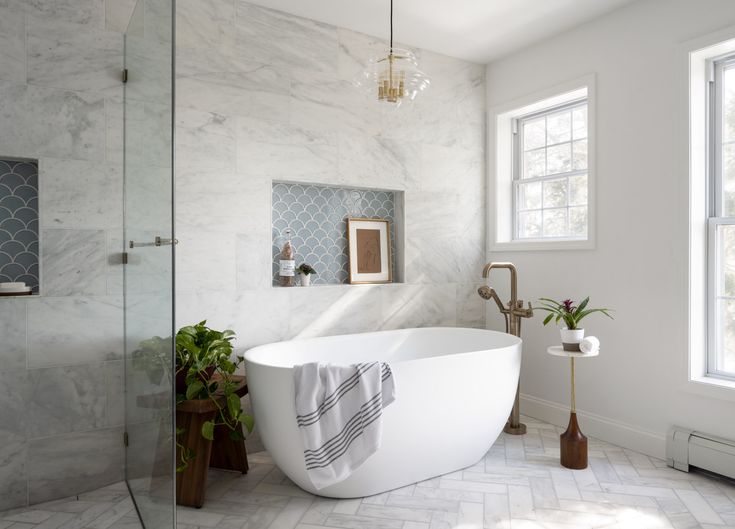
(61, 352)
(263, 96)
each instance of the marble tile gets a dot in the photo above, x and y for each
(335, 309)
(149, 68)
(115, 393)
(62, 56)
(14, 391)
(285, 151)
(265, 498)
(445, 169)
(285, 40)
(74, 262)
(314, 163)
(385, 163)
(89, 13)
(12, 45)
(354, 51)
(207, 259)
(203, 23)
(114, 130)
(66, 399)
(79, 461)
(66, 124)
(260, 91)
(205, 141)
(253, 266)
(222, 311)
(63, 333)
(148, 136)
(118, 14)
(225, 211)
(13, 468)
(333, 105)
(470, 306)
(14, 116)
(13, 326)
(405, 306)
(79, 194)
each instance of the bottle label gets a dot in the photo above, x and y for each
(288, 268)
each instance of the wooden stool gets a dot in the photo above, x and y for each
(572, 443)
(222, 453)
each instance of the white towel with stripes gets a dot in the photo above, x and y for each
(339, 410)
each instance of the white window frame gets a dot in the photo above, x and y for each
(518, 167)
(501, 164)
(715, 217)
(699, 55)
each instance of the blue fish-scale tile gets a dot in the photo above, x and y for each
(26, 192)
(317, 217)
(13, 270)
(28, 170)
(13, 181)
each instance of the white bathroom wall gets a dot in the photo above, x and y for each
(263, 96)
(637, 388)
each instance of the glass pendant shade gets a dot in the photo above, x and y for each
(393, 77)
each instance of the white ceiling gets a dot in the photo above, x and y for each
(475, 30)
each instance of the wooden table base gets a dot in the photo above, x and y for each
(573, 446)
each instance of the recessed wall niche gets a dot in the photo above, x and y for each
(19, 248)
(317, 217)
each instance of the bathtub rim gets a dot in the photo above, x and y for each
(513, 341)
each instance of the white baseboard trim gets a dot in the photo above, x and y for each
(604, 428)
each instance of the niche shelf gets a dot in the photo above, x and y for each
(19, 227)
(317, 216)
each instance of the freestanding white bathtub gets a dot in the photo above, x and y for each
(454, 391)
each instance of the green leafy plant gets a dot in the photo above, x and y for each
(566, 311)
(152, 357)
(305, 269)
(201, 353)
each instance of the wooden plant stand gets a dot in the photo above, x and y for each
(572, 443)
(222, 453)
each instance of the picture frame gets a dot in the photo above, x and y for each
(369, 249)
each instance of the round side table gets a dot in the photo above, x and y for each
(572, 443)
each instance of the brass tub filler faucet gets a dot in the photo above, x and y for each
(512, 312)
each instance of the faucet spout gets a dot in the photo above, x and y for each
(513, 278)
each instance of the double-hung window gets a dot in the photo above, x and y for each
(721, 219)
(550, 173)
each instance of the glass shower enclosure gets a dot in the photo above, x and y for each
(149, 260)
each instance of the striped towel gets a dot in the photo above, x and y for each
(339, 411)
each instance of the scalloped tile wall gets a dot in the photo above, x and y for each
(19, 222)
(317, 217)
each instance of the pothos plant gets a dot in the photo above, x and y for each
(567, 312)
(201, 353)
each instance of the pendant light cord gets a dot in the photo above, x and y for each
(391, 26)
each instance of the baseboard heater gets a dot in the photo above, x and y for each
(685, 448)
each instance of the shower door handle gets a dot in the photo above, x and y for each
(159, 241)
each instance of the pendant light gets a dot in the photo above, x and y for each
(393, 77)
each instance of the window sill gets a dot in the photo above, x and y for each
(712, 387)
(541, 245)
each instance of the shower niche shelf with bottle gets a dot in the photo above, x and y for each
(309, 226)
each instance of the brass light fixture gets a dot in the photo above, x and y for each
(393, 76)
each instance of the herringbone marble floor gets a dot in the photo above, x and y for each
(518, 485)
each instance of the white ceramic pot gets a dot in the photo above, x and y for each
(570, 338)
(305, 279)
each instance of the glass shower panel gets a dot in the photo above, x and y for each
(148, 112)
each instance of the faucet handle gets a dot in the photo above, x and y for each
(521, 312)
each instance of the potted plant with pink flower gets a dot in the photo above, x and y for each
(571, 315)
